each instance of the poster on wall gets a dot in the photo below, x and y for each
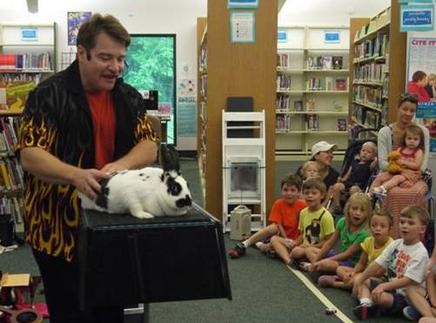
(242, 27)
(421, 81)
(186, 108)
(74, 20)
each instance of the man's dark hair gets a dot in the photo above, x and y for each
(98, 24)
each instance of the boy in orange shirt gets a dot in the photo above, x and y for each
(283, 219)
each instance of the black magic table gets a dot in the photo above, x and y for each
(125, 261)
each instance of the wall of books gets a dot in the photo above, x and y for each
(370, 88)
(312, 88)
(27, 56)
(378, 54)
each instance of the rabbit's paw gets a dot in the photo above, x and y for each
(143, 215)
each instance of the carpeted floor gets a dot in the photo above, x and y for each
(263, 289)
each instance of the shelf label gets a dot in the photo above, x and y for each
(416, 17)
(242, 3)
(331, 37)
(282, 36)
(29, 33)
(242, 27)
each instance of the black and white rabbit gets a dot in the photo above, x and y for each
(145, 192)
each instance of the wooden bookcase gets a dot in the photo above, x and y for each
(378, 56)
(234, 69)
(27, 56)
(312, 89)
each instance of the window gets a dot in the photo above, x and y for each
(151, 60)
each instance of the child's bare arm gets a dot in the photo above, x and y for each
(347, 254)
(361, 264)
(431, 289)
(346, 176)
(394, 285)
(322, 242)
(414, 164)
(328, 245)
(282, 231)
(373, 270)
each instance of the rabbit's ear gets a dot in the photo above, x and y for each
(169, 158)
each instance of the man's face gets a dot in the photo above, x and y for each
(104, 66)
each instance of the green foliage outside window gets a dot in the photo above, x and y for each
(151, 66)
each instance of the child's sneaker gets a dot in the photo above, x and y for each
(363, 311)
(263, 247)
(411, 313)
(237, 251)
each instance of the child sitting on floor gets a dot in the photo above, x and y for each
(283, 219)
(351, 230)
(316, 224)
(404, 262)
(380, 225)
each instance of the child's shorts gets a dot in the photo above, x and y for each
(346, 263)
(398, 303)
(288, 243)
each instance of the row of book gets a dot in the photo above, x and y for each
(26, 61)
(378, 21)
(203, 58)
(203, 85)
(12, 206)
(11, 175)
(8, 137)
(283, 81)
(375, 47)
(327, 84)
(325, 62)
(369, 118)
(372, 72)
(372, 96)
(311, 123)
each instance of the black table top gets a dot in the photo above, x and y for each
(101, 220)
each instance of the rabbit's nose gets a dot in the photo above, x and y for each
(184, 202)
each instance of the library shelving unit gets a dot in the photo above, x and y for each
(312, 88)
(377, 52)
(230, 69)
(27, 56)
(202, 98)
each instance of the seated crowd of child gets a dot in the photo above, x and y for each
(386, 276)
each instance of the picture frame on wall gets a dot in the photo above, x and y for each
(75, 19)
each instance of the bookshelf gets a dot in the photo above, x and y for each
(377, 53)
(312, 88)
(233, 70)
(27, 56)
(202, 99)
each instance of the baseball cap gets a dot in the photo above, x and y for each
(322, 146)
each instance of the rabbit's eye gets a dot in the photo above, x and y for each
(174, 188)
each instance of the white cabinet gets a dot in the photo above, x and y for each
(243, 158)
